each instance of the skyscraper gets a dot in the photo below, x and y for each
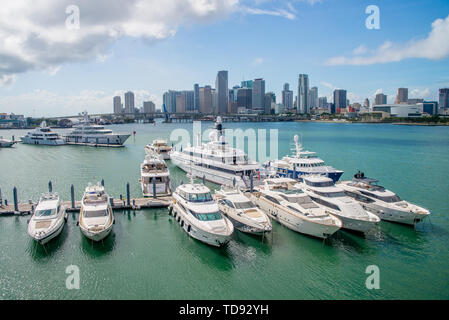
(247, 84)
(117, 105)
(169, 99)
(313, 98)
(190, 99)
(287, 97)
(402, 96)
(340, 100)
(303, 93)
(366, 103)
(149, 107)
(129, 102)
(196, 97)
(205, 99)
(322, 102)
(444, 98)
(222, 90)
(270, 102)
(180, 102)
(244, 98)
(258, 99)
(380, 99)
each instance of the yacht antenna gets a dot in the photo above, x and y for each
(298, 145)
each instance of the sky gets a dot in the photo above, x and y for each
(52, 66)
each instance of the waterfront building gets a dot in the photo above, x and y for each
(129, 102)
(244, 98)
(196, 97)
(190, 100)
(287, 97)
(169, 99)
(430, 107)
(279, 108)
(205, 99)
(444, 99)
(303, 94)
(258, 93)
(366, 103)
(402, 96)
(180, 103)
(222, 90)
(415, 101)
(340, 100)
(214, 101)
(401, 110)
(380, 99)
(270, 102)
(149, 107)
(313, 98)
(12, 120)
(118, 107)
(322, 102)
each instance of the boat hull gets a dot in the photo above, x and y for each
(113, 139)
(58, 142)
(398, 216)
(335, 176)
(357, 225)
(242, 227)
(48, 237)
(97, 236)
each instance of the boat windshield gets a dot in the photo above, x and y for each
(95, 213)
(337, 194)
(45, 212)
(320, 184)
(244, 205)
(207, 216)
(390, 199)
(200, 197)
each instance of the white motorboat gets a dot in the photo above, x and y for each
(48, 218)
(302, 162)
(217, 162)
(90, 134)
(154, 177)
(242, 212)
(198, 215)
(382, 202)
(96, 217)
(160, 147)
(325, 193)
(284, 202)
(5, 143)
(43, 135)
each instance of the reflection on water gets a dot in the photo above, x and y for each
(96, 249)
(43, 252)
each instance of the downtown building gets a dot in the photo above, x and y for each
(149, 107)
(443, 100)
(258, 96)
(402, 96)
(287, 97)
(340, 100)
(380, 99)
(222, 92)
(118, 106)
(313, 98)
(129, 102)
(303, 94)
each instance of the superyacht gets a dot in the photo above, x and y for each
(43, 135)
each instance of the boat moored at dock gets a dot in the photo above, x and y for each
(160, 147)
(5, 143)
(48, 218)
(43, 135)
(154, 176)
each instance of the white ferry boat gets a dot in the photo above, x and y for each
(302, 162)
(382, 202)
(91, 134)
(218, 162)
(160, 147)
(43, 135)
(154, 168)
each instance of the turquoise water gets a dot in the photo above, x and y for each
(148, 256)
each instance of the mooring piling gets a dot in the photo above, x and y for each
(72, 195)
(251, 182)
(16, 203)
(102, 182)
(128, 196)
(154, 187)
(50, 186)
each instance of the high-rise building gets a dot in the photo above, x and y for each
(366, 103)
(129, 102)
(444, 98)
(270, 102)
(190, 99)
(415, 101)
(380, 99)
(258, 99)
(303, 94)
(247, 84)
(196, 97)
(322, 102)
(340, 101)
(430, 107)
(287, 97)
(149, 107)
(214, 101)
(222, 90)
(180, 102)
(205, 99)
(313, 98)
(244, 98)
(235, 89)
(402, 96)
(169, 99)
(118, 105)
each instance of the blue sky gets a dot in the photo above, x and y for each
(275, 40)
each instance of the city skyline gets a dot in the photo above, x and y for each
(340, 53)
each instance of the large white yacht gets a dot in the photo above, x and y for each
(197, 213)
(91, 134)
(242, 212)
(160, 147)
(154, 168)
(43, 135)
(283, 201)
(96, 217)
(218, 162)
(302, 162)
(382, 202)
(325, 193)
(48, 218)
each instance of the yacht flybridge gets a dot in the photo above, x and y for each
(326, 194)
(43, 135)
(160, 147)
(48, 218)
(218, 162)
(198, 215)
(154, 168)
(302, 162)
(382, 202)
(90, 134)
(96, 217)
(284, 202)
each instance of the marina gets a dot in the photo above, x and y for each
(143, 225)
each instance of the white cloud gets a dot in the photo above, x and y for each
(257, 61)
(434, 47)
(271, 12)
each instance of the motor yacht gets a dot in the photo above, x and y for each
(154, 176)
(198, 215)
(48, 218)
(325, 193)
(96, 216)
(160, 147)
(382, 202)
(284, 202)
(43, 135)
(242, 212)
(5, 143)
(217, 162)
(302, 162)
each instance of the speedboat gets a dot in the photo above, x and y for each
(90, 134)
(198, 215)
(48, 218)
(154, 177)
(382, 202)
(43, 135)
(217, 162)
(284, 202)
(96, 216)
(5, 143)
(242, 212)
(325, 193)
(160, 147)
(302, 162)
